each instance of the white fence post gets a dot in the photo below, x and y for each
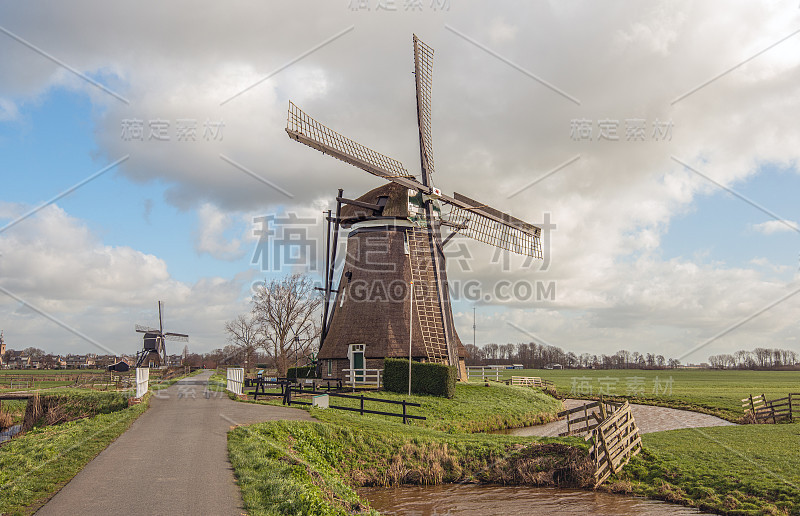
(142, 381)
(235, 379)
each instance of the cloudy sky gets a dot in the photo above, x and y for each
(142, 148)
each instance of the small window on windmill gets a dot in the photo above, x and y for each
(405, 243)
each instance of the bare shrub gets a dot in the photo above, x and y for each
(5, 420)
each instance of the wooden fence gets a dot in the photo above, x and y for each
(363, 377)
(612, 431)
(766, 411)
(533, 381)
(614, 441)
(29, 381)
(483, 373)
(584, 419)
(288, 400)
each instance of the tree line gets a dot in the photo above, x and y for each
(759, 358)
(539, 356)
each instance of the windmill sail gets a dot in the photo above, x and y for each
(180, 337)
(423, 76)
(305, 129)
(424, 238)
(494, 227)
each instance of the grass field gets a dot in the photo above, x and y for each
(750, 469)
(48, 372)
(291, 467)
(35, 465)
(475, 408)
(709, 391)
(33, 376)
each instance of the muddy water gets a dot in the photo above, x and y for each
(457, 499)
(8, 433)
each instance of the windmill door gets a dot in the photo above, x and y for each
(357, 361)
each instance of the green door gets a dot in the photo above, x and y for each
(358, 363)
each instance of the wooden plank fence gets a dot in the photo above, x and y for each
(30, 380)
(766, 411)
(612, 431)
(289, 400)
(614, 442)
(584, 419)
(483, 373)
(533, 381)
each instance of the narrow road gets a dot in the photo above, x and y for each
(648, 419)
(172, 460)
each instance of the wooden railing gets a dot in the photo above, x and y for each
(765, 411)
(30, 381)
(584, 419)
(289, 400)
(363, 377)
(533, 381)
(614, 441)
(235, 378)
(483, 373)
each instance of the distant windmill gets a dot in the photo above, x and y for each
(367, 323)
(153, 341)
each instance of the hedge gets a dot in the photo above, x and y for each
(426, 378)
(301, 372)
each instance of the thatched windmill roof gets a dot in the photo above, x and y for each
(373, 304)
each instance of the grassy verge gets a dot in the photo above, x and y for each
(475, 408)
(15, 410)
(218, 382)
(748, 469)
(709, 391)
(315, 467)
(312, 468)
(34, 466)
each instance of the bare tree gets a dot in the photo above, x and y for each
(286, 311)
(244, 335)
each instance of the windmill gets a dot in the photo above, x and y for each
(408, 215)
(154, 349)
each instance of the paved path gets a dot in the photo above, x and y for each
(648, 419)
(172, 460)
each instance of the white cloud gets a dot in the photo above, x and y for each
(212, 227)
(8, 110)
(776, 226)
(502, 32)
(55, 263)
(494, 130)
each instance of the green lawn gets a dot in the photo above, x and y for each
(292, 467)
(37, 384)
(36, 465)
(713, 392)
(48, 372)
(475, 408)
(751, 469)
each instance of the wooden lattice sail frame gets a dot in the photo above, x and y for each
(467, 216)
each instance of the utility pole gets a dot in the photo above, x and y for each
(473, 326)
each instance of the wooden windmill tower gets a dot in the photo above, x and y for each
(154, 349)
(395, 238)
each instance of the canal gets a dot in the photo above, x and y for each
(467, 499)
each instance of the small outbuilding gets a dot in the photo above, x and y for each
(119, 367)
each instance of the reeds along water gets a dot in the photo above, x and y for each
(5, 419)
(511, 500)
